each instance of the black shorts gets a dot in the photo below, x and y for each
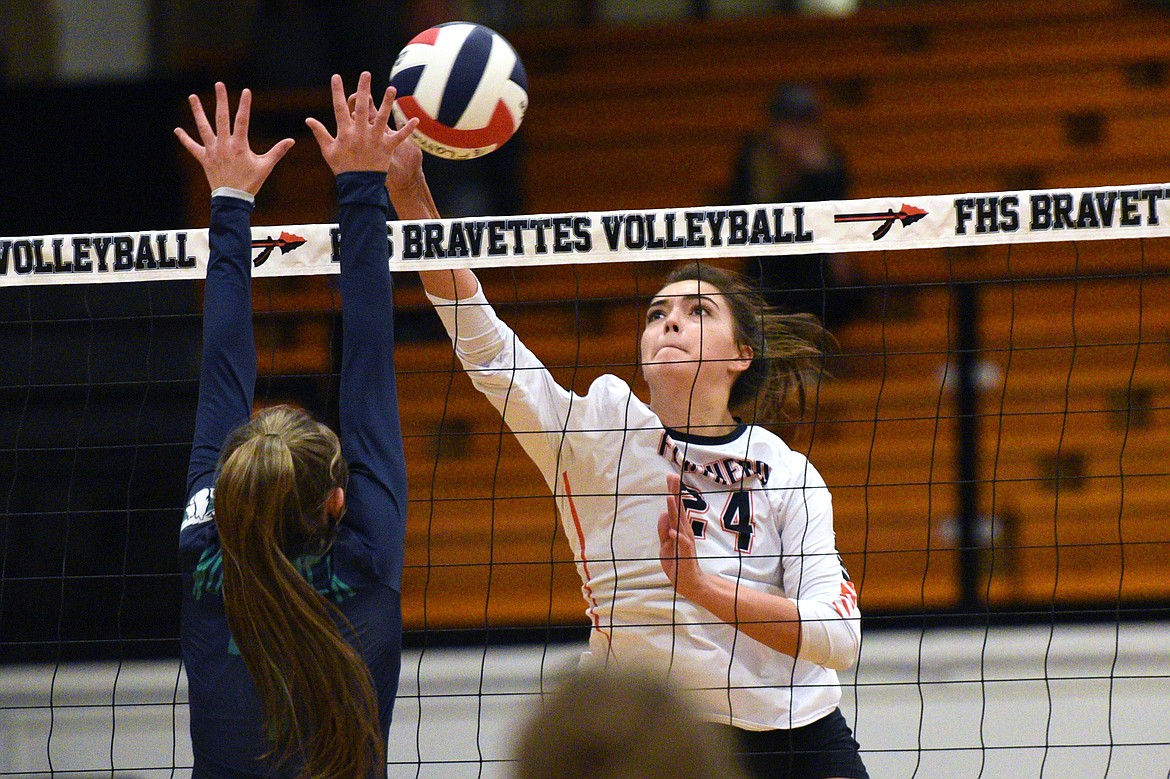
(821, 750)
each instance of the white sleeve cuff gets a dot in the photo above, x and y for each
(232, 192)
(827, 638)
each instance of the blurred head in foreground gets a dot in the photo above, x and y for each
(606, 724)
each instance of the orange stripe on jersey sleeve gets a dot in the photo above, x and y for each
(584, 562)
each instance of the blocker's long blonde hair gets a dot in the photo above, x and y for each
(276, 474)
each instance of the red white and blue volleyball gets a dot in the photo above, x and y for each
(466, 86)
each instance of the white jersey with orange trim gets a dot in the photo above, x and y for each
(762, 515)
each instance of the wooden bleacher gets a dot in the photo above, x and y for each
(925, 98)
(1077, 380)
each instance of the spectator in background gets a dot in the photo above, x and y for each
(619, 723)
(792, 160)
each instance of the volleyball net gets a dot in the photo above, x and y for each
(994, 435)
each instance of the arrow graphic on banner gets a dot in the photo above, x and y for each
(286, 243)
(908, 215)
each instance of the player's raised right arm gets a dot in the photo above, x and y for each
(496, 360)
(411, 197)
(478, 336)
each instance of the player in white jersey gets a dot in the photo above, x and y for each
(705, 545)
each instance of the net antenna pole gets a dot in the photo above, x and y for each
(967, 402)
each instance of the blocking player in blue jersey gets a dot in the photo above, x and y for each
(292, 542)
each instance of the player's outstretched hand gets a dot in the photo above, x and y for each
(365, 140)
(405, 167)
(676, 537)
(405, 164)
(225, 154)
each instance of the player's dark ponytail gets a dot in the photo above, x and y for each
(788, 349)
(277, 473)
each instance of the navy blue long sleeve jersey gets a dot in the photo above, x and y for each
(362, 573)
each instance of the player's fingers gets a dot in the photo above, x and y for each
(673, 484)
(273, 155)
(664, 527)
(189, 143)
(339, 102)
(382, 118)
(201, 124)
(404, 132)
(362, 109)
(351, 104)
(324, 139)
(222, 123)
(243, 113)
(669, 533)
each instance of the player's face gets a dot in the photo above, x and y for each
(690, 337)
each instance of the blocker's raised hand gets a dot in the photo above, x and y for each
(225, 154)
(365, 139)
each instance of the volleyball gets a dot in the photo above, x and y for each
(466, 86)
